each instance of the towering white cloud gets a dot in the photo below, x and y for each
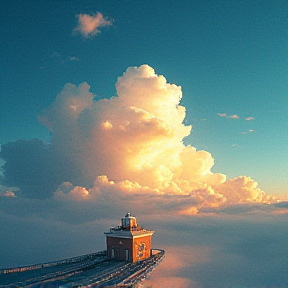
(133, 143)
(122, 151)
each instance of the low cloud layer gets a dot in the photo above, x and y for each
(89, 25)
(230, 250)
(130, 144)
(223, 252)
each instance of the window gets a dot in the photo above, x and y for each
(127, 254)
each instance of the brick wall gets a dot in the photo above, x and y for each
(135, 249)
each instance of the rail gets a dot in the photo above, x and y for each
(90, 270)
(54, 263)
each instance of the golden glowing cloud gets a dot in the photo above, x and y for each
(88, 25)
(133, 144)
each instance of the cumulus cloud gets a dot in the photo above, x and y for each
(89, 25)
(130, 144)
(8, 193)
(249, 118)
(241, 189)
(74, 193)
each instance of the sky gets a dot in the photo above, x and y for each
(173, 111)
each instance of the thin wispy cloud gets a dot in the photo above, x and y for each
(224, 115)
(55, 54)
(62, 59)
(89, 25)
(73, 58)
(249, 118)
(56, 58)
(247, 132)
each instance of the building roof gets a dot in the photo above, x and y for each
(120, 233)
(128, 229)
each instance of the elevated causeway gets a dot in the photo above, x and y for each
(91, 270)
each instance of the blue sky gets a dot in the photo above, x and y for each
(230, 59)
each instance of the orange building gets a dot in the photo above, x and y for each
(128, 242)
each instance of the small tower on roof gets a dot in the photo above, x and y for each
(128, 242)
